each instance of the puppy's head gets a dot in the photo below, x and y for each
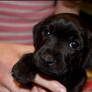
(61, 43)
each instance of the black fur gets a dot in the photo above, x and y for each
(63, 48)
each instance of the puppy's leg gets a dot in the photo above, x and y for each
(24, 70)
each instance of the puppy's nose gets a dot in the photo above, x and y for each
(47, 58)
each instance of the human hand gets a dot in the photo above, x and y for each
(65, 7)
(9, 55)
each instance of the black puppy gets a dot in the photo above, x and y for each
(63, 46)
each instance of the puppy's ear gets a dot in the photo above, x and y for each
(37, 34)
(89, 58)
(86, 16)
(88, 64)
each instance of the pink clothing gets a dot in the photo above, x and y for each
(17, 19)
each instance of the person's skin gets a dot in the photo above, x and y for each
(66, 7)
(11, 53)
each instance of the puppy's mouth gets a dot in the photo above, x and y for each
(46, 63)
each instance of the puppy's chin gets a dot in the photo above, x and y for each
(48, 70)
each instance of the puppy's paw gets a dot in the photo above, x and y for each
(24, 70)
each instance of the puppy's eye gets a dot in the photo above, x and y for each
(46, 32)
(74, 44)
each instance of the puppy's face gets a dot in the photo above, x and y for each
(61, 45)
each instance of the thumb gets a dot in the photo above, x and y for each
(51, 85)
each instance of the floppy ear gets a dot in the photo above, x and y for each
(37, 34)
(89, 58)
(86, 16)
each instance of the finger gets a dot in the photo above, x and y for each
(34, 89)
(3, 89)
(51, 85)
(37, 88)
(10, 85)
(40, 89)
